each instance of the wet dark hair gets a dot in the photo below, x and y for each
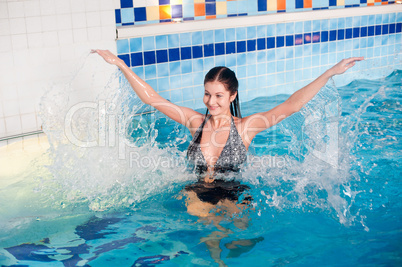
(228, 78)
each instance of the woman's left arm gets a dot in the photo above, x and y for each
(258, 122)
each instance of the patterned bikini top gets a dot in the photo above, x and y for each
(234, 152)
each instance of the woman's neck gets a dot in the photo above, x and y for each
(221, 120)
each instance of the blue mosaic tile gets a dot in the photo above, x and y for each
(161, 42)
(261, 44)
(185, 53)
(219, 49)
(161, 56)
(149, 57)
(163, 85)
(125, 58)
(163, 69)
(230, 47)
(241, 34)
(177, 11)
(173, 40)
(174, 54)
(208, 50)
(148, 43)
(271, 30)
(251, 45)
(175, 68)
(197, 51)
(219, 36)
(241, 46)
(140, 14)
(185, 39)
(117, 16)
(230, 35)
(150, 72)
(136, 59)
(208, 37)
(127, 15)
(251, 32)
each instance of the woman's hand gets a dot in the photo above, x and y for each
(344, 65)
(108, 56)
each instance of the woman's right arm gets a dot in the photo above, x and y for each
(186, 116)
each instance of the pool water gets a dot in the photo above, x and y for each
(325, 186)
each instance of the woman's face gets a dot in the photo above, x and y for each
(217, 98)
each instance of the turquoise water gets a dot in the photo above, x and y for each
(325, 185)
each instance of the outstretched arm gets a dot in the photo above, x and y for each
(148, 95)
(258, 122)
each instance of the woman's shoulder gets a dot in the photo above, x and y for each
(196, 122)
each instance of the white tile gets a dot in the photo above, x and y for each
(79, 20)
(47, 7)
(22, 62)
(109, 33)
(9, 93)
(108, 18)
(11, 108)
(77, 6)
(116, 4)
(28, 122)
(16, 9)
(67, 52)
(94, 34)
(63, 7)
(107, 5)
(49, 23)
(66, 37)
(18, 26)
(93, 19)
(93, 5)
(34, 24)
(80, 35)
(152, 2)
(32, 8)
(19, 41)
(38, 122)
(64, 22)
(5, 27)
(26, 105)
(50, 39)
(35, 40)
(140, 3)
(5, 43)
(3, 10)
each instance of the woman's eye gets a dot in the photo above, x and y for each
(220, 95)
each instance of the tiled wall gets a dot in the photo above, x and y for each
(268, 59)
(137, 12)
(42, 43)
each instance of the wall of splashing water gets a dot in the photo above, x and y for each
(105, 156)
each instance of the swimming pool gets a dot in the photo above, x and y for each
(325, 187)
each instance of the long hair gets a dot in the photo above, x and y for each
(228, 78)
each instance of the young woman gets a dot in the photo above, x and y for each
(221, 139)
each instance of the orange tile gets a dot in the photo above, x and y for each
(199, 9)
(281, 4)
(211, 17)
(384, 3)
(377, 1)
(165, 12)
(308, 3)
(370, 4)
